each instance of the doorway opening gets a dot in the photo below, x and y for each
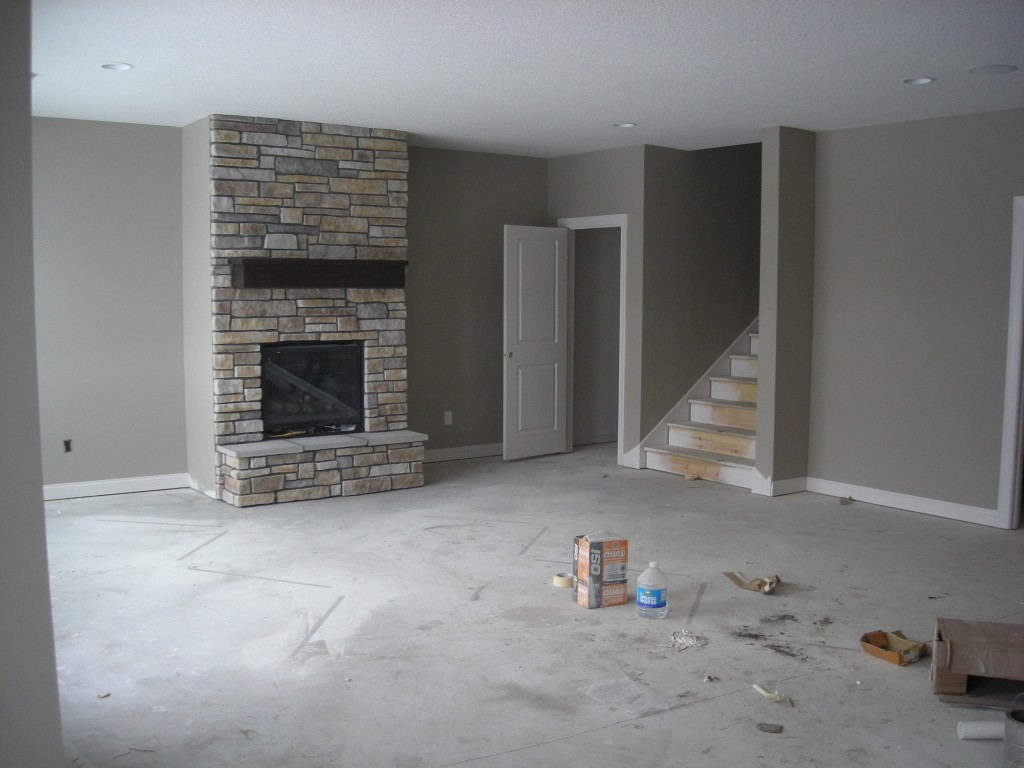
(594, 332)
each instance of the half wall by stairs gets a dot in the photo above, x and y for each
(717, 441)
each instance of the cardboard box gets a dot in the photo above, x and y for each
(601, 561)
(893, 647)
(975, 649)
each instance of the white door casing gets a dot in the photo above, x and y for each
(536, 341)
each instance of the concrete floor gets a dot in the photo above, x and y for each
(420, 628)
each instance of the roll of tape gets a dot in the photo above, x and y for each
(562, 580)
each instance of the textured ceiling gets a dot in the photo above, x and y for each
(534, 77)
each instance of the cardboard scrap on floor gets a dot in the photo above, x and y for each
(893, 647)
(765, 586)
(978, 663)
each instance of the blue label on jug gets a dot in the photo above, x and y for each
(651, 598)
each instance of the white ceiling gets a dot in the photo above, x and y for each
(533, 77)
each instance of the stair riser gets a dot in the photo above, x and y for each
(705, 470)
(743, 392)
(744, 367)
(712, 442)
(755, 344)
(723, 415)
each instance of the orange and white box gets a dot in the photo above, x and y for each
(601, 561)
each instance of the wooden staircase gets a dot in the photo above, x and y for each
(717, 442)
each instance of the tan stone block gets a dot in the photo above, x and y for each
(343, 224)
(355, 473)
(291, 216)
(221, 149)
(318, 200)
(366, 485)
(276, 189)
(304, 494)
(249, 474)
(327, 477)
(369, 459)
(267, 483)
(396, 455)
(254, 324)
(236, 486)
(397, 374)
(412, 480)
(360, 186)
(233, 188)
(328, 140)
(245, 337)
(389, 469)
(392, 145)
(254, 499)
(333, 153)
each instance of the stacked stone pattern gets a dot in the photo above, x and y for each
(302, 190)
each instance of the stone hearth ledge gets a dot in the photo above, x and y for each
(320, 467)
(320, 442)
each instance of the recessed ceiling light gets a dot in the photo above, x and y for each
(624, 125)
(118, 66)
(919, 80)
(993, 69)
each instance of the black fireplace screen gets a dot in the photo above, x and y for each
(312, 388)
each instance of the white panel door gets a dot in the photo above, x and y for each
(536, 344)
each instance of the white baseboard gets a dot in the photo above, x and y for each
(58, 491)
(766, 486)
(935, 507)
(431, 455)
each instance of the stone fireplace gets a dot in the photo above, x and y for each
(308, 237)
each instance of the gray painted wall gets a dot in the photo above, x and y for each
(595, 384)
(30, 730)
(458, 204)
(701, 233)
(910, 307)
(197, 328)
(107, 215)
(600, 184)
(786, 304)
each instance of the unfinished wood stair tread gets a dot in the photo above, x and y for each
(706, 427)
(691, 453)
(742, 404)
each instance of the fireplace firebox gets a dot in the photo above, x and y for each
(312, 388)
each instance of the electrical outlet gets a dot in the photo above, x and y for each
(447, 418)
(67, 446)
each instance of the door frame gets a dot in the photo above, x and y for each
(628, 453)
(1010, 471)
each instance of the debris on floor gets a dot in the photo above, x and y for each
(845, 500)
(764, 585)
(769, 727)
(977, 657)
(775, 696)
(631, 696)
(683, 639)
(710, 679)
(893, 647)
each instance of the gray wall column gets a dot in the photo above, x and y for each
(786, 304)
(30, 730)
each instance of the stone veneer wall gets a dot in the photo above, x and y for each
(290, 189)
